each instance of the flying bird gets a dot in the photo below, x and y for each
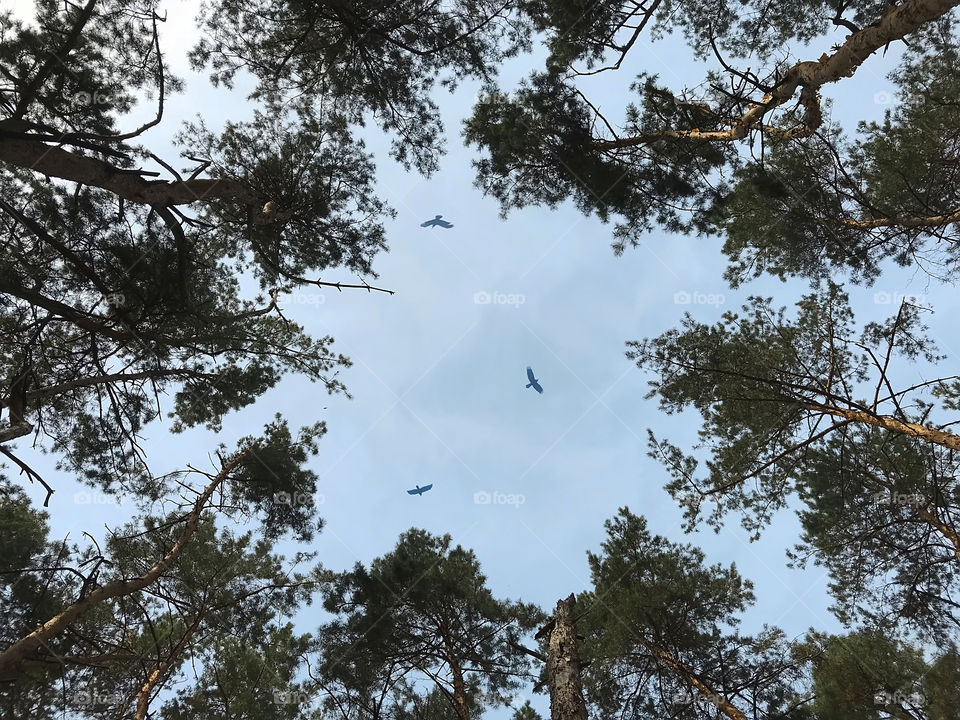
(420, 490)
(534, 383)
(437, 222)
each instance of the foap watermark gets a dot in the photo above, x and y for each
(885, 97)
(498, 298)
(518, 701)
(498, 498)
(91, 98)
(85, 497)
(698, 298)
(897, 498)
(887, 298)
(486, 96)
(495, 698)
(884, 698)
(93, 299)
(685, 698)
(301, 298)
(297, 498)
(291, 697)
(90, 697)
(691, 498)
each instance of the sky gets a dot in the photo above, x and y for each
(438, 376)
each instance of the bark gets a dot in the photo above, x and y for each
(143, 697)
(705, 690)
(12, 659)
(907, 221)
(459, 685)
(563, 666)
(12, 432)
(55, 162)
(923, 432)
(811, 75)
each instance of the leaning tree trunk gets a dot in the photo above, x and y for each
(563, 666)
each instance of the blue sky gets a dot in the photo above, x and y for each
(438, 379)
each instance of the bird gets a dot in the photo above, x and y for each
(420, 490)
(437, 222)
(534, 383)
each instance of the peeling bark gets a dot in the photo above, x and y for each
(923, 432)
(909, 221)
(563, 666)
(810, 75)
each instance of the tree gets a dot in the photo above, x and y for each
(114, 626)
(526, 712)
(866, 675)
(563, 664)
(750, 153)
(424, 609)
(114, 291)
(813, 406)
(660, 639)
(381, 58)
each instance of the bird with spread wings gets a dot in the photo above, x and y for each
(437, 222)
(534, 383)
(419, 490)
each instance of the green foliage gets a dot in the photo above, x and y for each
(541, 150)
(373, 58)
(657, 617)
(789, 192)
(423, 607)
(252, 676)
(588, 31)
(307, 162)
(273, 479)
(115, 300)
(875, 505)
(526, 712)
(867, 675)
(775, 396)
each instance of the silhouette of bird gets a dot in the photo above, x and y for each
(534, 383)
(420, 490)
(437, 222)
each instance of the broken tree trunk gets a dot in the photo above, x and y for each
(563, 666)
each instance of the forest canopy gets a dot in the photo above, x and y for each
(135, 291)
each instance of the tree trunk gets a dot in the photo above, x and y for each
(563, 666)
(707, 692)
(459, 686)
(56, 162)
(459, 693)
(938, 437)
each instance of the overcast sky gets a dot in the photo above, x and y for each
(438, 378)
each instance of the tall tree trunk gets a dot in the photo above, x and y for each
(459, 686)
(563, 666)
